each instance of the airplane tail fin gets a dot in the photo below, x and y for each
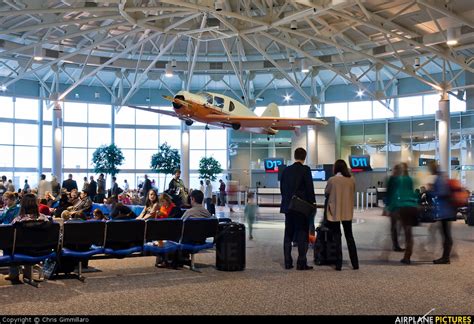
(271, 111)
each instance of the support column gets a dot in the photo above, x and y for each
(272, 148)
(57, 151)
(40, 137)
(469, 91)
(442, 115)
(312, 140)
(112, 125)
(185, 154)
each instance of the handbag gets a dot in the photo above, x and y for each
(300, 206)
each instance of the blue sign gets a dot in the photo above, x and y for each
(360, 162)
(272, 164)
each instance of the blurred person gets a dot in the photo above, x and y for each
(250, 212)
(73, 196)
(26, 186)
(43, 207)
(126, 187)
(114, 188)
(100, 189)
(10, 186)
(85, 185)
(55, 186)
(444, 209)
(208, 197)
(43, 186)
(80, 209)
(390, 206)
(221, 192)
(98, 215)
(340, 190)
(146, 186)
(177, 189)
(63, 204)
(119, 210)
(404, 201)
(296, 180)
(92, 188)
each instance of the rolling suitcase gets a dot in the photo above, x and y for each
(230, 247)
(325, 248)
(470, 214)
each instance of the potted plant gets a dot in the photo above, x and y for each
(166, 161)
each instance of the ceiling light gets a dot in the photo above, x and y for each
(147, 99)
(287, 98)
(294, 25)
(452, 36)
(168, 70)
(304, 66)
(425, 137)
(37, 53)
(3, 88)
(421, 124)
(76, 95)
(97, 95)
(218, 5)
(417, 62)
(173, 63)
(360, 93)
(291, 58)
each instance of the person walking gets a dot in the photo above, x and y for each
(394, 215)
(340, 191)
(250, 212)
(296, 180)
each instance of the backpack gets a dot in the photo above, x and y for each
(459, 196)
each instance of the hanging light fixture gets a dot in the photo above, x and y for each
(453, 34)
(168, 70)
(218, 5)
(304, 66)
(173, 63)
(294, 25)
(37, 53)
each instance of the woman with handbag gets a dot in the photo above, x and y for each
(340, 191)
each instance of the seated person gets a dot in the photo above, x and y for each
(119, 210)
(11, 208)
(50, 199)
(73, 197)
(43, 207)
(125, 199)
(98, 215)
(63, 204)
(152, 206)
(168, 208)
(196, 210)
(80, 209)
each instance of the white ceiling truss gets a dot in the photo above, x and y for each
(248, 47)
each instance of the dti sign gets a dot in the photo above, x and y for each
(360, 162)
(271, 165)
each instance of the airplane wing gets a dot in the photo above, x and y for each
(282, 123)
(158, 111)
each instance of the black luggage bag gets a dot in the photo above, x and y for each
(470, 214)
(325, 247)
(230, 247)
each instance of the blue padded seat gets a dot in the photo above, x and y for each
(124, 237)
(82, 240)
(196, 235)
(7, 237)
(168, 230)
(35, 241)
(19, 258)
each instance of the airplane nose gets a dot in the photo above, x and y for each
(177, 105)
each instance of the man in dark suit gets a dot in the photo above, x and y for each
(296, 180)
(69, 184)
(92, 188)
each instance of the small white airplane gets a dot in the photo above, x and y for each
(219, 110)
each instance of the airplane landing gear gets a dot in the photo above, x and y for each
(268, 138)
(189, 122)
(207, 127)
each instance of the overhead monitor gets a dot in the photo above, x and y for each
(424, 161)
(318, 174)
(359, 163)
(272, 164)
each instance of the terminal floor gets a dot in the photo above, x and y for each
(382, 285)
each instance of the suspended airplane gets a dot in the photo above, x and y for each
(219, 110)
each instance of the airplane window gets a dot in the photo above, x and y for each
(206, 96)
(231, 106)
(219, 102)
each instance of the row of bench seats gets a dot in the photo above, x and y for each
(29, 243)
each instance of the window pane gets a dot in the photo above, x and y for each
(144, 158)
(289, 111)
(216, 139)
(197, 139)
(380, 111)
(147, 138)
(75, 158)
(125, 137)
(20, 177)
(7, 133)
(47, 112)
(166, 120)
(99, 136)
(130, 177)
(6, 107)
(125, 115)
(26, 109)
(75, 136)
(338, 110)
(100, 114)
(220, 156)
(304, 111)
(194, 157)
(172, 137)
(6, 152)
(75, 112)
(26, 134)
(26, 157)
(359, 110)
(430, 104)
(410, 106)
(456, 105)
(146, 118)
(47, 157)
(47, 135)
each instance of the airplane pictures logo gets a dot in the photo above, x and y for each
(433, 319)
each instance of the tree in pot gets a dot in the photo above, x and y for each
(107, 159)
(209, 168)
(166, 161)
